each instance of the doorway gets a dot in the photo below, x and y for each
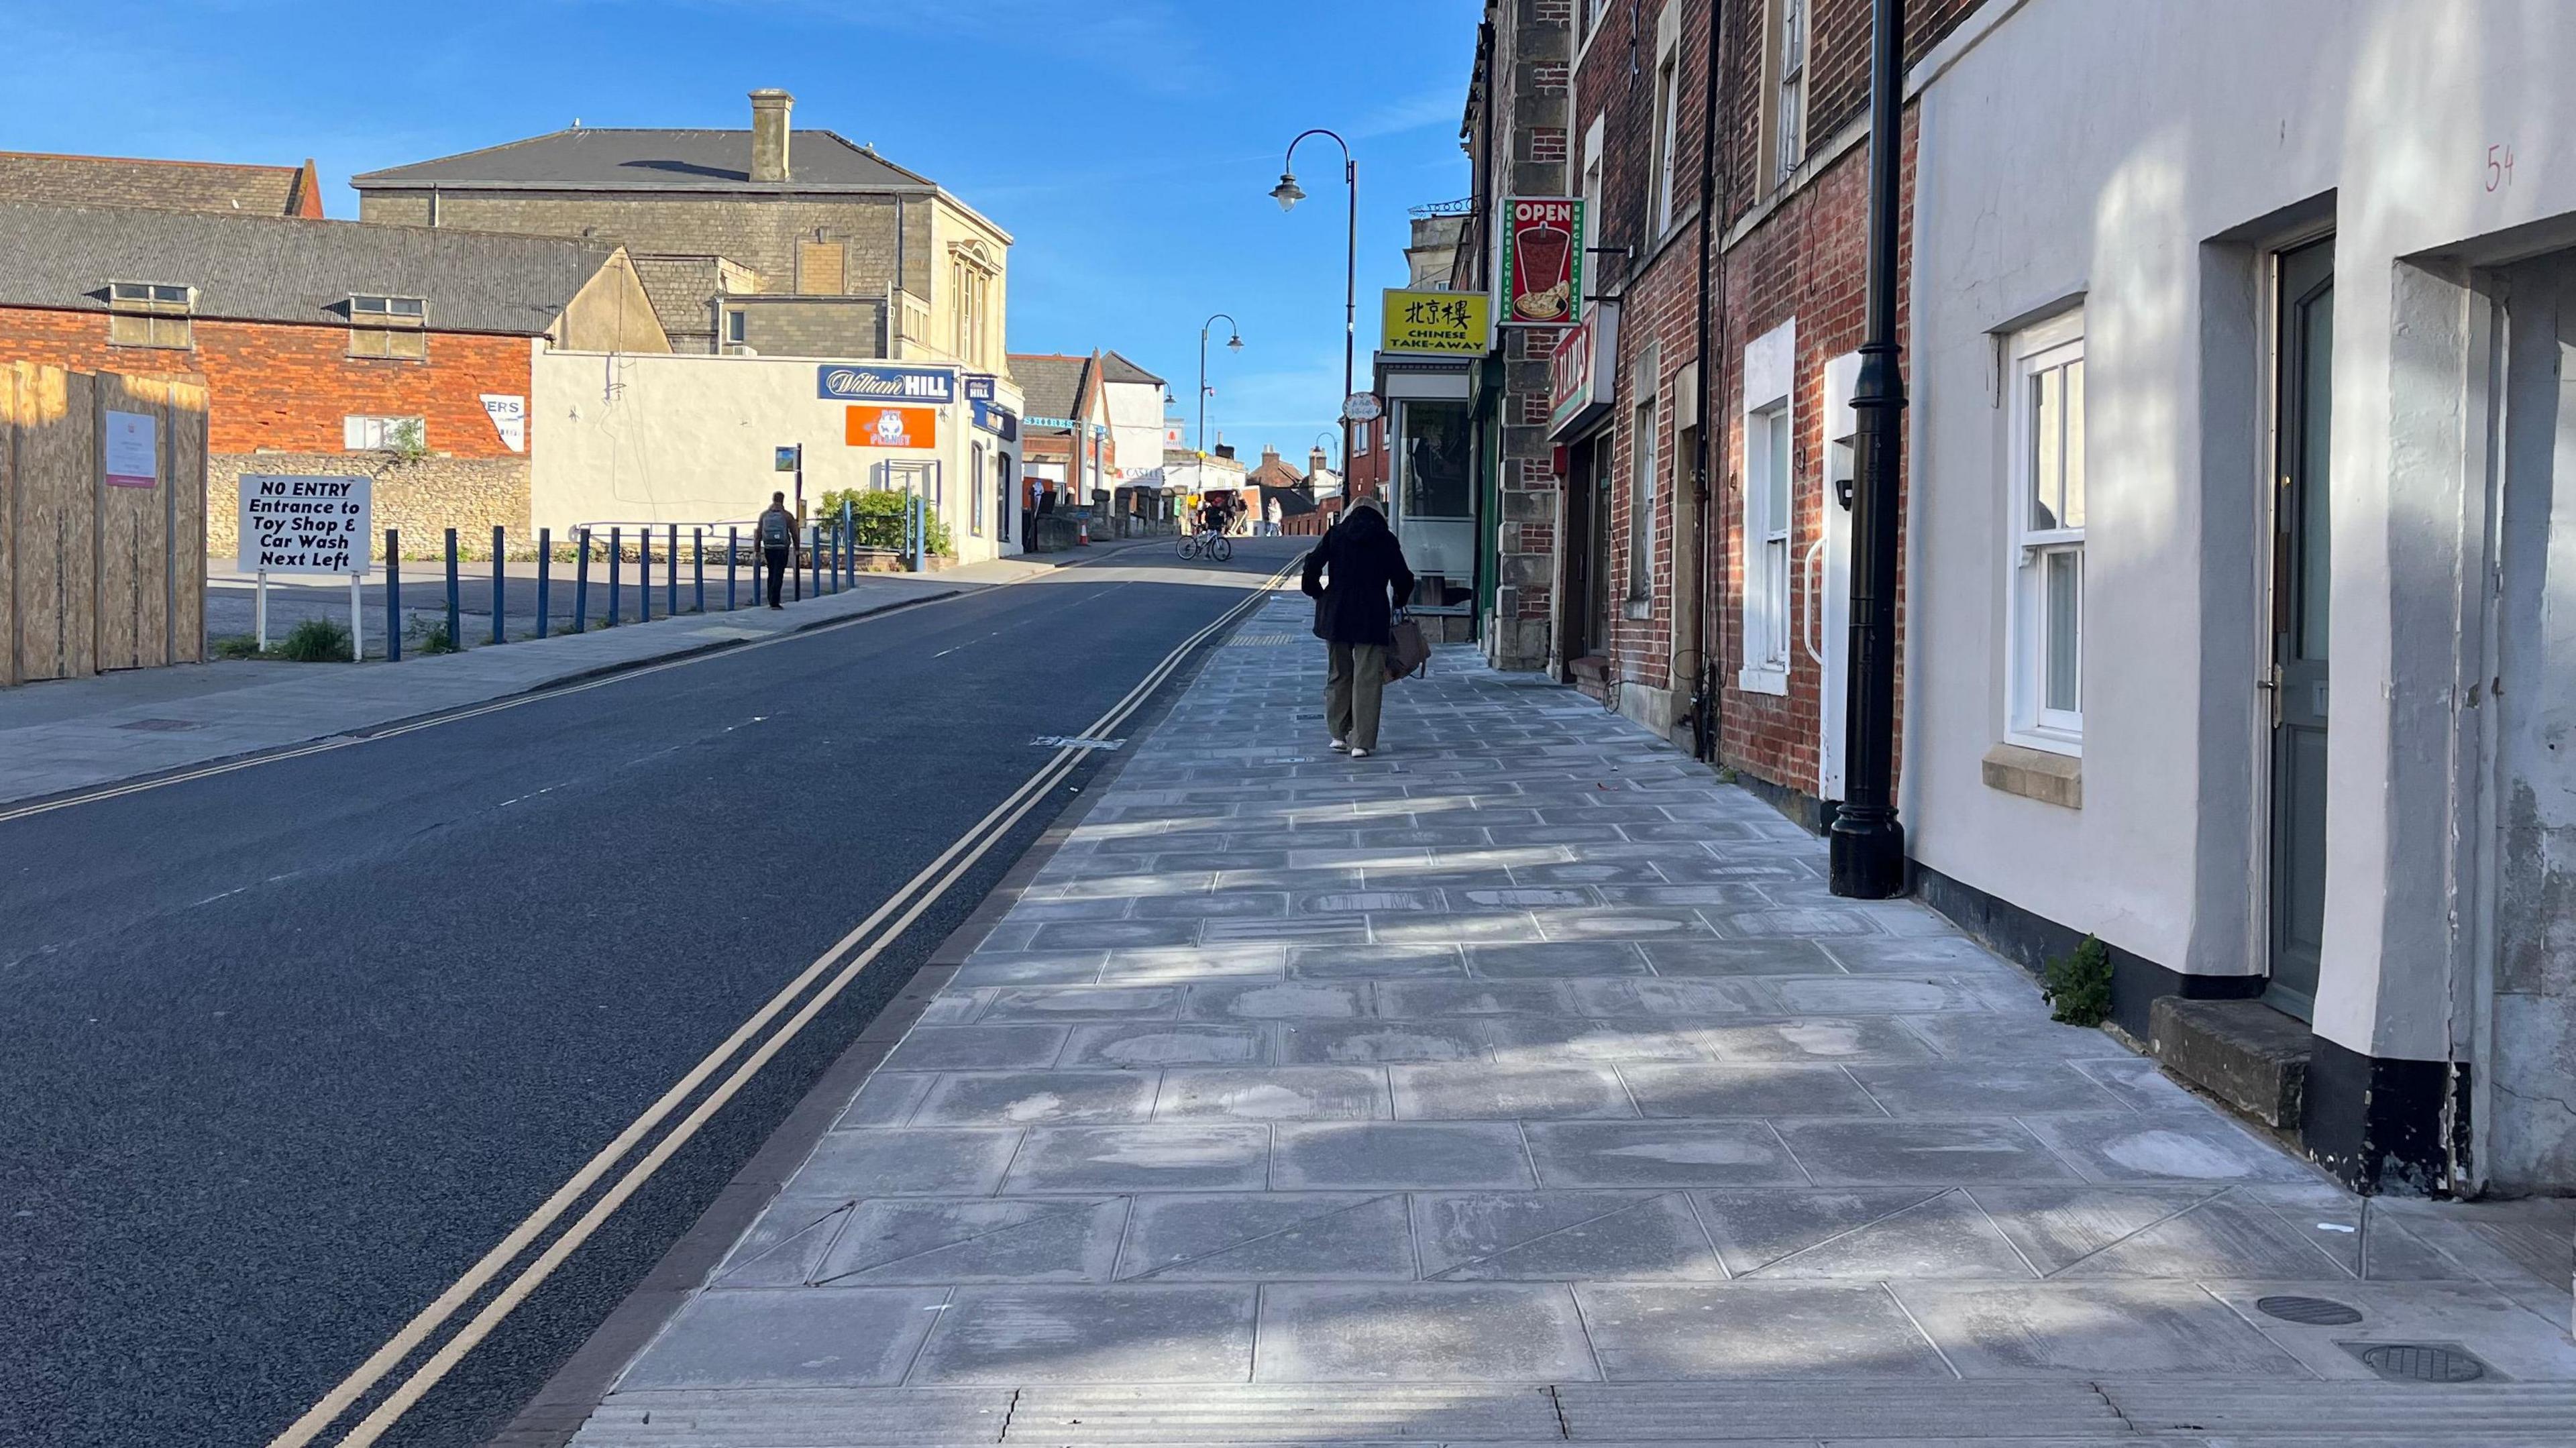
(2301, 584)
(1584, 611)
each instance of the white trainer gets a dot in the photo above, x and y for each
(1359, 754)
(1340, 748)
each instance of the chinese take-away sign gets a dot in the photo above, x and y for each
(292, 524)
(1449, 323)
(1543, 261)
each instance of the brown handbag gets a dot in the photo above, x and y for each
(1408, 653)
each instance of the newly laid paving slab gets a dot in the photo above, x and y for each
(1525, 1084)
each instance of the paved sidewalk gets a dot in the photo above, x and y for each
(1523, 1085)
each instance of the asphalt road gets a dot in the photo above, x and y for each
(285, 1050)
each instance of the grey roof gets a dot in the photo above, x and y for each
(1050, 386)
(280, 269)
(599, 158)
(162, 185)
(1115, 368)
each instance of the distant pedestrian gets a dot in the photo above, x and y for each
(777, 533)
(1357, 576)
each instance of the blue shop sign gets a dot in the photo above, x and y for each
(858, 383)
(979, 386)
(997, 419)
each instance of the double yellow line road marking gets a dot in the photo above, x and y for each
(849, 955)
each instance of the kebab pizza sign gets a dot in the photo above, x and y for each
(1543, 261)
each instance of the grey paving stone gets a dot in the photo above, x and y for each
(1401, 1156)
(952, 1008)
(1656, 996)
(978, 1239)
(1791, 923)
(976, 1048)
(1122, 1334)
(1659, 1154)
(1766, 1089)
(1559, 1041)
(1881, 953)
(2515, 1342)
(2137, 1083)
(1873, 1233)
(2123, 1329)
(1694, 896)
(1983, 1088)
(1852, 995)
(886, 1098)
(1736, 957)
(2166, 1146)
(1040, 912)
(1421, 1333)
(1281, 1093)
(1819, 1040)
(785, 1244)
(1591, 872)
(1343, 1043)
(1292, 930)
(1369, 902)
(1275, 1000)
(1028, 1098)
(1527, 897)
(1563, 958)
(800, 1338)
(1561, 1237)
(1458, 1092)
(1929, 1152)
(1089, 880)
(1165, 1043)
(1398, 999)
(904, 1160)
(1075, 967)
(1376, 962)
(1623, 922)
(1076, 934)
(1998, 1037)
(1140, 1159)
(1152, 965)
(1830, 1331)
(1456, 928)
(1271, 1236)
(1082, 1003)
(1226, 903)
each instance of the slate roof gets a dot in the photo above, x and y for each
(604, 158)
(1115, 368)
(276, 269)
(159, 185)
(1051, 385)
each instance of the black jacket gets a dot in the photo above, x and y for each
(1351, 573)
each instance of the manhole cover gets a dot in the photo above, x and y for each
(162, 726)
(2419, 1362)
(2309, 1311)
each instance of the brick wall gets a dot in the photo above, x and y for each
(1533, 46)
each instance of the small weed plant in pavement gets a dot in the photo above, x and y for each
(315, 641)
(2078, 986)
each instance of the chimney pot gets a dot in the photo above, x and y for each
(769, 132)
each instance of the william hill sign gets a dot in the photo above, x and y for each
(852, 382)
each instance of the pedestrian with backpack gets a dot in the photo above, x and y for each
(777, 534)
(1358, 577)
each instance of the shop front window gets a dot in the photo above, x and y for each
(1435, 480)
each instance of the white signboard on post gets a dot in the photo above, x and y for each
(295, 524)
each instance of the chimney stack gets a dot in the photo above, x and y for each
(769, 134)
(1315, 461)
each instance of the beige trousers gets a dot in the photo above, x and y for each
(1354, 681)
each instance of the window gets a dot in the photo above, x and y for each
(970, 293)
(1789, 94)
(734, 326)
(975, 495)
(1667, 121)
(1591, 219)
(383, 434)
(1641, 508)
(2046, 556)
(1587, 20)
(1767, 498)
(388, 327)
(150, 314)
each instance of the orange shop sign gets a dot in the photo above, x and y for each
(894, 426)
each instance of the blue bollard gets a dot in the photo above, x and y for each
(545, 573)
(455, 613)
(671, 575)
(581, 581)
(698, 563)
(732, 552)
(393, 595)
(499, 542)
(616, 563)
(644, 574)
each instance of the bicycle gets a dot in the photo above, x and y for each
(1209, 544)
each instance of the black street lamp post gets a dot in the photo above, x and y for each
(1234, 343)
(1288, 193)
(1867, 841)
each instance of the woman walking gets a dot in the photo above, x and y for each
(1357, 576)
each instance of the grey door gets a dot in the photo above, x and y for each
(2301, 583)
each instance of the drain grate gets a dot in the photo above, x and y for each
(2309, 1311)
(162, 726)
(2419, 1362)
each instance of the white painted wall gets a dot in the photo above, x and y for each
(2118, 153)
(1136, 429)
(630, 438)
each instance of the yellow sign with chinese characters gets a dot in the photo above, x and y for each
(1449, 324)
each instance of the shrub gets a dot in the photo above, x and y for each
(237, 646)
(426, 636)
(315, 641)
(2078, 986)
(878, 517)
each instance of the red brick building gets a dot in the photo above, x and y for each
(1710, 606)
(326, 347)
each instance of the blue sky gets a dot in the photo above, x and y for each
(1128, 145)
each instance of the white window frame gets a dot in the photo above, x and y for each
(975, 492)
(1667, 135)
(368, 432)
(2052, 347)
(1791, 20)
(1594, 137)
(1770, 405)
(152, 314)
(1644, 456)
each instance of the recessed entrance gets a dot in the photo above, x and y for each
(2301, 577)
